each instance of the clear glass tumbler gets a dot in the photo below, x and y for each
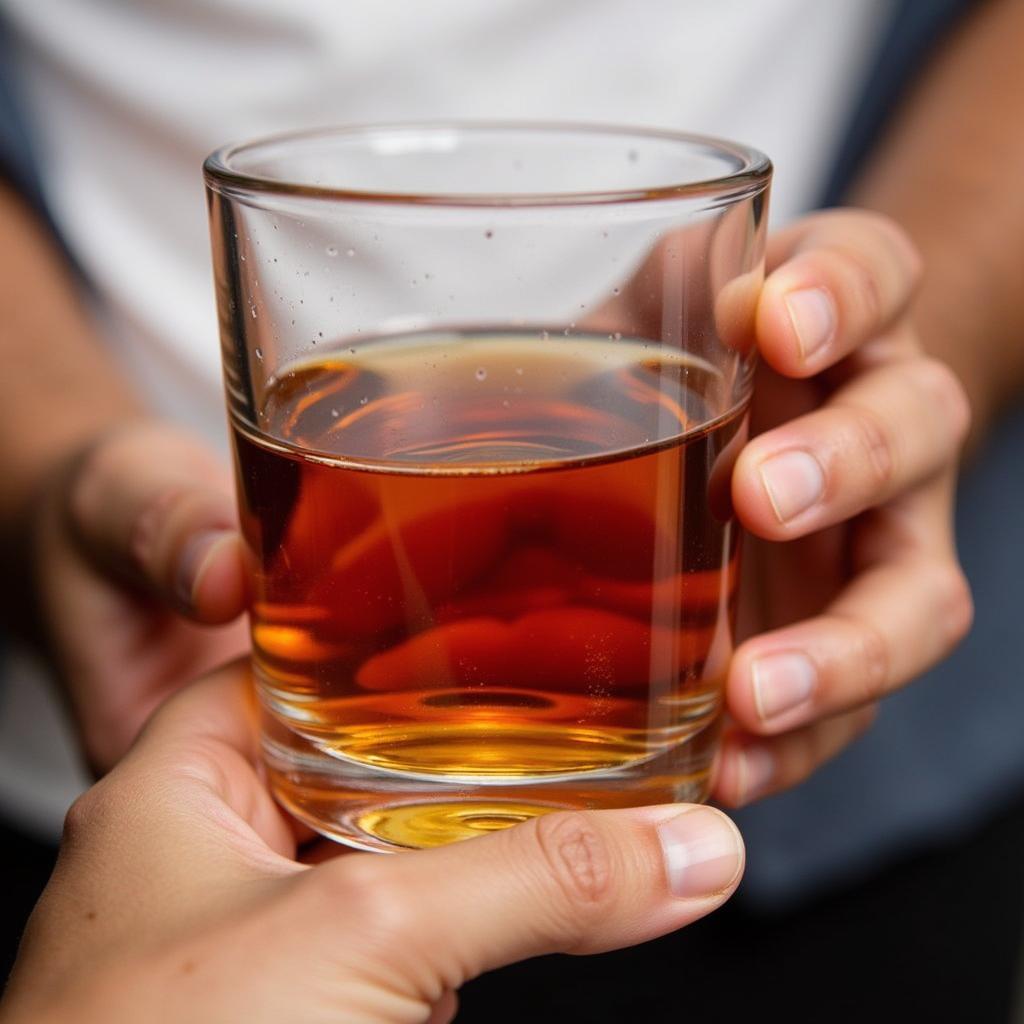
(486, 384)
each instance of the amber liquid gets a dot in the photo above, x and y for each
(489, 560)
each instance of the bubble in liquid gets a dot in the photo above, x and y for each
(488, 233)
(615, 291)
(544, 336)
(334, 413)
(617, 335)
(350, 253)
(519, 371)
(481, 373)
(332, 251)
(363, 400)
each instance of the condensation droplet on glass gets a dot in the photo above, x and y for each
(350, 253)
(481, 373)
(334, 413)
(615, 291)
(519, 371)
(504, 403)
(259, 353)
(363, 400)
(331, 250)
(252, 309)
(241, 256)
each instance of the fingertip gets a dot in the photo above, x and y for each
(751, 500)
(747, 773)
(213, 584)
(795, 321)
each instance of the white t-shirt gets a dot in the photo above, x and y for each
(125, 101)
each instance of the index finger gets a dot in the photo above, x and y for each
(841, 278)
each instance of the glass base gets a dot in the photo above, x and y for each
(370, 808)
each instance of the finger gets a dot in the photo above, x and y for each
(749, 768)
(571, 882)
(846, 276)
(892, 622)
(155, 508)
(886, 431)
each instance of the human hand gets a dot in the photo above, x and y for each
(177, 895)
(136, 556)
(852, 583)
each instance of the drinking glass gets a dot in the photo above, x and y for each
(486, 384)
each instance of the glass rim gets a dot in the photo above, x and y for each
(751, 176)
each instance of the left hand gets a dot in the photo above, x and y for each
(852, 582)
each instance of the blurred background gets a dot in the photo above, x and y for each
(896, 871)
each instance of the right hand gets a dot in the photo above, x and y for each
(178, 898)
(136, 556)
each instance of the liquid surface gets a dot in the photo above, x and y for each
(493, 558)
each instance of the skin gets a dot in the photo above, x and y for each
(178, 875)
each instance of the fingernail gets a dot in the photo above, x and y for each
(813, 315)
(781, 682)
(195, 553)
(793, 482)
(757, 770)
(702, 850)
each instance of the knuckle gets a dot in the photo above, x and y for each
(578, 861)
(152, 519)
(88, 814)
(873, 447)
(358, 888)
(958, 604)
(860, 283)
(870, 659)
(899, 241)
(87, 479)
(944, 388)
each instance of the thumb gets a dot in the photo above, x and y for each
(153, 506)
(582, 882)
